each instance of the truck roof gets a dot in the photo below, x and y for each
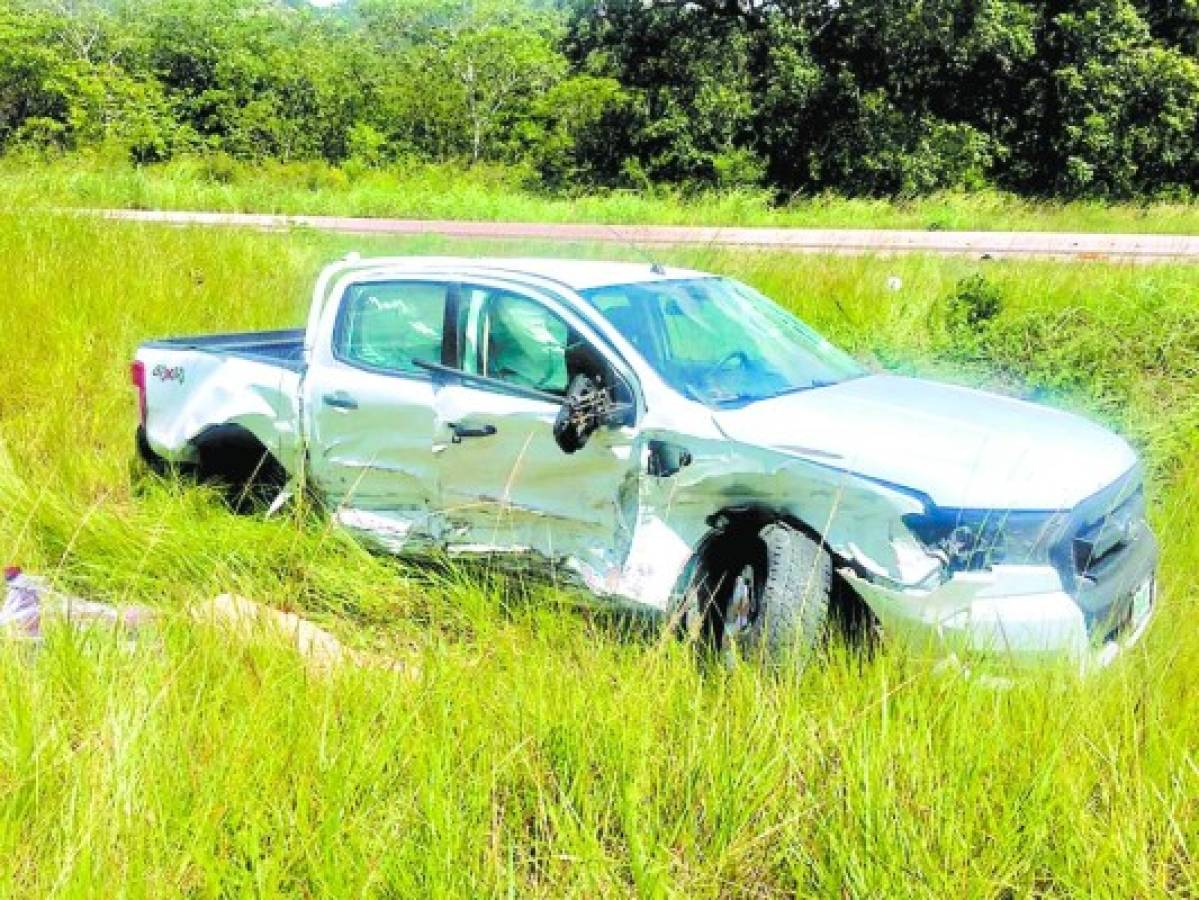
(576, 274)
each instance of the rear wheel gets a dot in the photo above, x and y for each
(227, 457)
(766, 594)
(240, 467)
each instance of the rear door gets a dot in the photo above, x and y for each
(505, 483)
(370, 407)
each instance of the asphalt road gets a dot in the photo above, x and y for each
(979, 244)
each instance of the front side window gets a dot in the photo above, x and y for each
(386, 325)
(514, 339)
(720, 342)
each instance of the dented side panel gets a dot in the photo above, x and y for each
(506, 485)
(650, 526)
(189, 391)
(859, 519)
(370, 440)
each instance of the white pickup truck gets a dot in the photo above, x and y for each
(673, 439)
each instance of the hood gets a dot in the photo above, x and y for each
(961, 447)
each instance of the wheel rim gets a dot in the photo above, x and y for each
(741, 608)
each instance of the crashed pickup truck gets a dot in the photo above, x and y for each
(672, 439)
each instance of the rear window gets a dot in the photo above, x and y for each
(386, 325)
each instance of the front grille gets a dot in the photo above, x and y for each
(1098, 545)
(1105, 553)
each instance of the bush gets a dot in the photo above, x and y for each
(41, 135)
(970, 312)
(219, 168)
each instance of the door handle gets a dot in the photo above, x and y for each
(463, 431)
(340, 400)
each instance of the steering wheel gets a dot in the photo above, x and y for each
(724, 361)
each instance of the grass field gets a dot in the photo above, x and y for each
(488, 193)
(534, 748)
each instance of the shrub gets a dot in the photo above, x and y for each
(973, 306)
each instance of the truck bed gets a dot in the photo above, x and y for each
(278, 348)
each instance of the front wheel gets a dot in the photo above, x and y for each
(767, 594)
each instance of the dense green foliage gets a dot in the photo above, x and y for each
(536, 749)
(868, 97)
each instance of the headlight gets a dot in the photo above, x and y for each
(973, 540)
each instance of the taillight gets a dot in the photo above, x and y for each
(138, 373)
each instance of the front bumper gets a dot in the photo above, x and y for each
(1025, 613)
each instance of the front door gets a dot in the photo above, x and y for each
(371, 408)
(505, 483)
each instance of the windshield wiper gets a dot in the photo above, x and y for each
(804, 388)
(742, 399)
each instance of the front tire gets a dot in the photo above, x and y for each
(768, 595)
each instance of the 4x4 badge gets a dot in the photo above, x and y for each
(168, 373)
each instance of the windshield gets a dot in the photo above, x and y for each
(720, 342)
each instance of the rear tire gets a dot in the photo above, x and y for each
(234, 462)
(768, 596)
(228, 458)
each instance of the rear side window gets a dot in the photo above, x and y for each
(388, 324)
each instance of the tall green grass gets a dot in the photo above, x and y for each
(534, 747)
(427, 191)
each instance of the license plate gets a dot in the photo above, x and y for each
(1142, 602)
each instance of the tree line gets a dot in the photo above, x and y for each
(1093, 98)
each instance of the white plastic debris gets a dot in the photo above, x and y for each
(22, 602)
(30, 601)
